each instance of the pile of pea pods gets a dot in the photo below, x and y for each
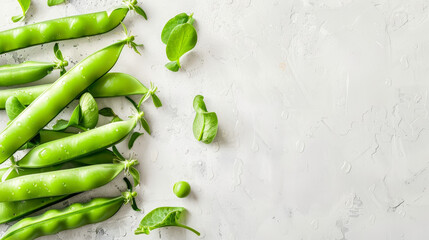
(61, 163)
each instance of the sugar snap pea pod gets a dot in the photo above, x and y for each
(65, 28)
(63, 182)
(26, 95)
(31, 71)
(78, 145)
(74, 216)
(58, 96)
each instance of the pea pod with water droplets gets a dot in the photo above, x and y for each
(42, 110)
(63, 182)
(78, 145)
(10, 211)
(66, 28)
(110, 85)
(74, 216)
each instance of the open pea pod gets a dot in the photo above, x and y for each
(110, 85)
(74, 216)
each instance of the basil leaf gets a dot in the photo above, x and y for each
(55, 2)
(133, 138)
(162, 217)
(89, 110)
(171, 24)
(205, 124)
(13, 107)
(182, 39)
(25, 5)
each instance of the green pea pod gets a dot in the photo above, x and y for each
(30, 71)
(65, 28)
(62, 182)
(57, 97)
(13, 107)
(74, 216)
(110, 85)
(78, 145)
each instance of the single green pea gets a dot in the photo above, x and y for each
(89, 109)
(181, 189)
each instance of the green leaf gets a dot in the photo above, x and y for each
(205, 124)
(136, 175)
(145, 125)
(55, 2)
(133, 103)
(25, 5)
(133, 138)
(140, 11)
(89, 109)
(117, 153)
(182, 39)
(57, 52)
(180, 18)
(13, 107)
(173, 66)
(107, 112)
(162, 217)
(74, 121)
(156, 101)
(116, 119)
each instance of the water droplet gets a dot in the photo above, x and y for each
(117, 130)
(13, 193)
(64, 184)
(346, 167)
(284, 115)
(44, 153)
(18, 123)
(300, 146)
(388, 82)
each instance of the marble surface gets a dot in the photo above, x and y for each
(322, 108)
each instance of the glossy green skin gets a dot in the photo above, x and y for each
(117, 84)
(110, 85)
(74, 216)
(58, 183)
(56, 97)
(10, 211)
(78, 145)
(60, 29)
(24, 73)
(181, 189)
(50, 135)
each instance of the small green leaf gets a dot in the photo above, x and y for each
(60, 125)
(25, 5)
(117, 153)
(156, 101)
(13, 107)
(107, 112)
(55, 2)
(182, 39)
(57, 52)
(133, 103)
(145, 125)
(140, 11)
(205, 124)
(171, 24)
(173, 66)
(162, 217)
(133, 138)
(89, 109)
(136, 175)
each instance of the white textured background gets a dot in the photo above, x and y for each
(323, 115)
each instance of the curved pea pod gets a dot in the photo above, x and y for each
(78, 145)
(65, 28)
(117, 84)
(40, 112)
(31, 71)
(63, 182)
(74, 216)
